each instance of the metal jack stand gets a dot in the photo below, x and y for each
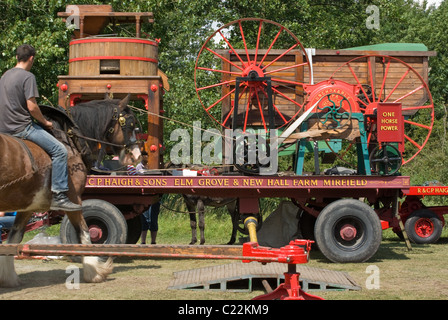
(294, 253)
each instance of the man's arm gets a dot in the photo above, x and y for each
(37, 114)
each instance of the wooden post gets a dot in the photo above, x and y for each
(137, 26)
(400, 223)
(81, 27)
(153, 143)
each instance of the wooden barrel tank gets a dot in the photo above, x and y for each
(113, 56)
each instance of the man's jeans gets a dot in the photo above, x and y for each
(56, 150)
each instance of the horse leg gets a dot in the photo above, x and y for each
(201, 213)
(8, 275)
(94, 269)
(193, 223)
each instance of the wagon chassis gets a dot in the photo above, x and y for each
(134, 189)
(131, 189)
(356, 233)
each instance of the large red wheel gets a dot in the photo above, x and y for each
(388, 79)
(251, 47)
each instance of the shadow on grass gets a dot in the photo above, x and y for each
(388, 250)
(58, 275)
(37, 279)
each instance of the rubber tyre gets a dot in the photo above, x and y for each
(103, 215)
(423, 227)
(357, 214)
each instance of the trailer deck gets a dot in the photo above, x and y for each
(132, 188)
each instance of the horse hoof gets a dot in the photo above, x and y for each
(10, 283)
(8, 275)
(192, 243)
(96, 271)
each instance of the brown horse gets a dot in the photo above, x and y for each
(25, 180)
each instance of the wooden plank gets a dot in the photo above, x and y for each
(238, 276)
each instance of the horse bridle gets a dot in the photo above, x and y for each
(117, 117)
(122, 120)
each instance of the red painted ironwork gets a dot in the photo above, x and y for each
(427, 191)
(248, 58)
(289, 290)
(348, 232)
(410, 87)
(424, 227)
(295, 253)
(390, 124)
(338, 89)
(113, 58)
(121, 40)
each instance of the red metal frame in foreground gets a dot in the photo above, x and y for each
(294, 253)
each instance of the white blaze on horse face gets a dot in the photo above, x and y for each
(137, 154)
(130, 157)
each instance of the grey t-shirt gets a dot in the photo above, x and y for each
(16, 87)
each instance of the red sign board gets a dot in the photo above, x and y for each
(390, 124)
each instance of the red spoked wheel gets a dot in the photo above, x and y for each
(267, 55)
(388, 79)
(423, 226)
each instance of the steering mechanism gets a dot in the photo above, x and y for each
(385, 159)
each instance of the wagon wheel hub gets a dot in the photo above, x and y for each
(348, 232)
(424, 227)
(95, 233)
(253, 49)
(253, 72)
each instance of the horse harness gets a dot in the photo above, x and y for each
(27, 150)
(122, 120)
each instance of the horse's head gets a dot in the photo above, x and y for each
(112, 123)
(123, 132)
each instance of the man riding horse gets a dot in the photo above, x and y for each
(18, 107)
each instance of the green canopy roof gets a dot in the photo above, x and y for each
(392, 47)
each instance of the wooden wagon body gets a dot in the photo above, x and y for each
(117, 66)
(369, 72)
